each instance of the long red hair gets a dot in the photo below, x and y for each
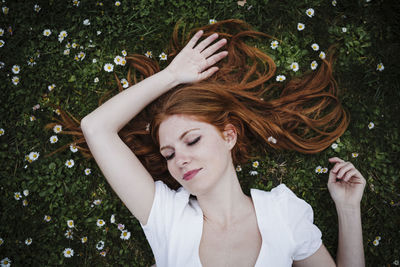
(306, 115)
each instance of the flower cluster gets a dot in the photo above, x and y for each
(320, 169)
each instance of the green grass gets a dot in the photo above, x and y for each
(139, 26)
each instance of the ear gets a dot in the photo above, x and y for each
(230, 135)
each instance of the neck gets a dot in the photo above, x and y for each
(225, 204)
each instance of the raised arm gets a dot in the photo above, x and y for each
(347, 194)
(122, 169)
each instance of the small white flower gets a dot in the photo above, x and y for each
(375, 242)
(1, 31)
(271, 140)
(315, 47)
(318, 169)
(47, 218)
(380, 67)
(2, 44)
(212, 21)
(108, 67)
(96, 80)
(310, 12)
(34, 155)
(70, 223)
(68, 252)
(36, 8)
(112, 219)
(322, 55)
(75, 2)
(16, 69)
(280, 78)
(6, 262)
(97, 202)
(53, 139)
(2, 64)
(84, 239)
(46, 32)
(74, 45)
(334, 2)
(117, 3)
(100, 245)
(24, 202)
(15, 80)
(86, 22)
(371, 125)
(69, 163)
(98, 32)
(163, 56)
(344, 29)
(149, 54)
(274, 44)
(121, 227)
(51, 87)
(2, 131)
(294, 66)
(255, 164)
(1, 241)
(118, 60)
(334, 145)
(396, 262)
(124, 53)
(253, 173)
(238, 168)
(314, 65)
(100, 223)
(378, 238)
(28, 241)
(73, 148)
(94, 60)
(325, 170)
(87, 171)
(124, 83)
(300, 26)
(81, 55)
(57, 128)
(354, 155)
(17, 195)
(68, 234)
(67, 52)
(103, 253)
(25, 192)
(5, 9)
(125, 235)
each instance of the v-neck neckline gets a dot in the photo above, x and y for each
(258, 225)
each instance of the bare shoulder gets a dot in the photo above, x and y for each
(320, 258)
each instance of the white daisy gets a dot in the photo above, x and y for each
(310, 12)
(163, 56)
(354, 155)
(70, 163)
(318, 169)
(6, 262)
(100, 223)
(2, 43)
(274, 44)
(117, 3)
(47, 218)
(2, 64)
(97, 202)
(84, 239)
(53, 139)
(5, 10)
(86, 22)
(344, 29)
(15, 80)
(124, 83)
(25, 192)
(28, 241)
(24, 202)
(271, 140)
(322, 55)
(238, 168)
(34, 155)
(1, 241)
(294, 66)
(75, 2)
(280, 78)
(108, 67)
(16, 69)
(36, 8)
(51, 87)
(118, 60)
(212, 21)
(112, 219)
(315, 47)
(46, 32)
(325, 170)
(70, 223)
(68, 234)
(334, 2)
(103, 253)
(124, 53)
(314, 65)
(100, 245)
(149, 54)
(87, 171)
(1, 31)
(334, 145)
(121, 226)
(375, 242)
(98, 32)
(68, 252)
(2, 131)
(57, 128)
(253, 173)
(73, 148)
(380, 67)
(94, 60)
(96, 80)
(300, 26)
(125, 235)
(255, 164)
(371, 125)
(17, 195)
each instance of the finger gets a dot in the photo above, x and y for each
(341, 172)
(194, 39)
(208, 73)
(335, 159)
(211, 50)
(203, 44)
(215, 58)
(350, 174)
(338, 166)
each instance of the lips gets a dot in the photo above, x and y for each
(190, 174)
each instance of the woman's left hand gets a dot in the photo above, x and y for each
(348, 190)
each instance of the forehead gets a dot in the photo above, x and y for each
(175, 125)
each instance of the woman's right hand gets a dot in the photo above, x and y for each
(194, 62)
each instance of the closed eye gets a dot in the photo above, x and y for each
(189, 144)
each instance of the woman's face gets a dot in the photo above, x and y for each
(196, 153)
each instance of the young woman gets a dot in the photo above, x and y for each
(193, 122)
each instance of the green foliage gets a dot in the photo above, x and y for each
(139, 26)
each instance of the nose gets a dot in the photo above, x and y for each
(182, 158)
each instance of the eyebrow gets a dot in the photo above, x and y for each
(180, 138)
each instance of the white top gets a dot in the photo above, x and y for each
(175, 226)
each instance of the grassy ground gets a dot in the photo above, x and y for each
(367, 34)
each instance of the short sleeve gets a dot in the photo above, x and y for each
(300, 217)
(160, 218)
